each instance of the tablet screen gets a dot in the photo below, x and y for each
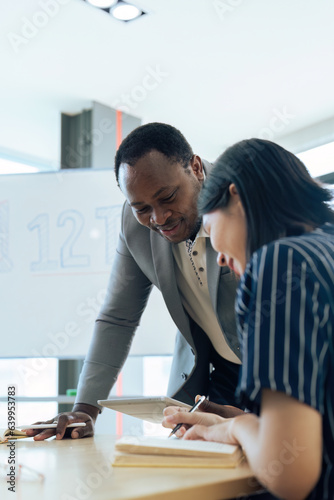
(147, 408)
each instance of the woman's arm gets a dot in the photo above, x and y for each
(283, 446)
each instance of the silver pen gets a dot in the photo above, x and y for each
(194, 408)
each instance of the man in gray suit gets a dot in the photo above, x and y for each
(162, 243)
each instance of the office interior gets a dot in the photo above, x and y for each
(74, 81)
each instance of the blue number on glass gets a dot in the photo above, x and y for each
(68, 259)
(5, 262)
(43, 264)
(112, 216)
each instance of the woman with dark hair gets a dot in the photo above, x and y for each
(272, 224)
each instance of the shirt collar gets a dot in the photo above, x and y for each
(201, 233)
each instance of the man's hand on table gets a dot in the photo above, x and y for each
(81, 413)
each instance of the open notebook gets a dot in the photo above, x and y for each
(19, 433)
(146, 451)
(10, 435)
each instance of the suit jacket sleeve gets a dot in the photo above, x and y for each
(126, 299)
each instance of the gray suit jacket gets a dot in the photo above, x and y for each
(144, 259)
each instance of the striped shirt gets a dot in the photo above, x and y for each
(285, 317)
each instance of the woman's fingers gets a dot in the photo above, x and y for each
(190, 419)
(169, 410)
(196, 432)
(219, 433)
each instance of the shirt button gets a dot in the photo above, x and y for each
(184, 376)
(195, 253)
(201, 269)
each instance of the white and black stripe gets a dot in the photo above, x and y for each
(285, 312)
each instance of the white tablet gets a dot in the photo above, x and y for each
(48, 426)
(143, 407)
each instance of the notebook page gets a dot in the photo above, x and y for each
(178, 444)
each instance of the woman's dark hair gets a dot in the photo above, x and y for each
(277, 192)
(153, 136)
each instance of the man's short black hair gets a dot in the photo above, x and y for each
(153, 136)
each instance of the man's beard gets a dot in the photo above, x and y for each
(195, 229)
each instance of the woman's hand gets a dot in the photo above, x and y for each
(174, 415)
(220, 432)
(206, 406)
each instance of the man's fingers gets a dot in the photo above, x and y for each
(44, 434)
(51, 421)
(35, 432)
(32, 432)
(75, 434)
(63, 421)
(81, 432)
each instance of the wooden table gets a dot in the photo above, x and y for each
(80, 470)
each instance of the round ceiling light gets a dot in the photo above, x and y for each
(102, 4)
(125, 12)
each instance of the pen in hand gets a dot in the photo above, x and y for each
(194, 408)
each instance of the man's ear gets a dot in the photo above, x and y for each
(197, 167)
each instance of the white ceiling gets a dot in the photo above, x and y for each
(230, 66)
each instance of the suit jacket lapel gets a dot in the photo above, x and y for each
(163, 261)
(213, 271)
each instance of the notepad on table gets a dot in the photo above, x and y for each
(146, 451)
(11, 434)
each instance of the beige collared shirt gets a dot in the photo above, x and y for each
(191, 277)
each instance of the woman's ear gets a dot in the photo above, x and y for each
(233, 190)
(235, 199)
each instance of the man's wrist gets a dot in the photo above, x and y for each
(91, 410)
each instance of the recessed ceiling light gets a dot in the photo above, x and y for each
(102, 4)
(125, 11)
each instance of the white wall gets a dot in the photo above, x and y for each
(58, 237)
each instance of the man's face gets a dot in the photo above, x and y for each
(163, 194)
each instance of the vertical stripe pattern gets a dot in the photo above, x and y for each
(285, 313)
